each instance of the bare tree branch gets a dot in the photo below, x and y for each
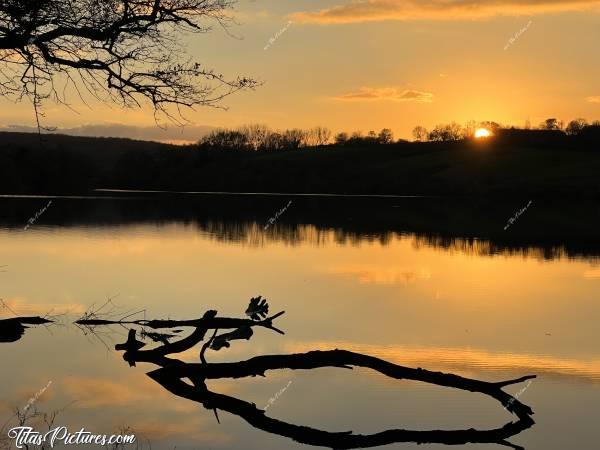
(126, 51)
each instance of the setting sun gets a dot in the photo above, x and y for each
(482, 133)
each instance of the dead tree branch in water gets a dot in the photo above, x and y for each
(173, 372)
(211, 323)
(258, 365)
(107, 314)
(169, 378)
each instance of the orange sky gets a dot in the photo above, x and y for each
(368, 64)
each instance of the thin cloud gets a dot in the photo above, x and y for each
(594, 99)
(23, 307)
(367, 94)
(357, 11)
(173, 134)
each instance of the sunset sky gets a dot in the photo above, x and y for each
(368, 64)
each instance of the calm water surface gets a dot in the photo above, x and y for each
(399, 295)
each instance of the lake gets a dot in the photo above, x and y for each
(433, 283)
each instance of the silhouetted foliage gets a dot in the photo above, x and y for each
(255, 135)
(258, 308)
(453, 131)
(385, 136)
(445, 133)
(127, 51)
(420, 134)
(494, 127)
(318, 136)
(227, 140)
(551, 124)
(261, 138)
(470, 128)
(341, 138)
(254, 158)
(293, 139)
(575, 126)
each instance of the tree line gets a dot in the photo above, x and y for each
(262, 138)
(456, 132)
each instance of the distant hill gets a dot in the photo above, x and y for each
(187, 134)
(82, 143)
(520, 164)
(61, 163)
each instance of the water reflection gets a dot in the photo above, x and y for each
(413, 285)
(11, 330)
(172, 373)
(550, 230)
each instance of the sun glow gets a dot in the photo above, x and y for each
(482, 133)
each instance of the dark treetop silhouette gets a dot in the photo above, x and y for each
(122, 50)
(172, 373)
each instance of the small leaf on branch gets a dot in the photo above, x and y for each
(258, 308)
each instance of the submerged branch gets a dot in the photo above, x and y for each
(11, 330)
(173, 372)
(258, 365)
(172, 379)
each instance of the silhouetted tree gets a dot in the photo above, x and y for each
(318, 136)
(494, 127)
(444, 133)
(226, 139)
(294, 138)
(274, 142)
(386, 136)
(256, 135)
(575, 126)
(551, 124)
(420, 133)
(356, 138)
(470, 128)
(341, 138)
(260, 137)
(128, 51)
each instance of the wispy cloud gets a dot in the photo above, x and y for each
(593, 99)
(377, 10)
(23, 307)
(407, 95)
(174, 134)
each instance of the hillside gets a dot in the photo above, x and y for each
(495, 167)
